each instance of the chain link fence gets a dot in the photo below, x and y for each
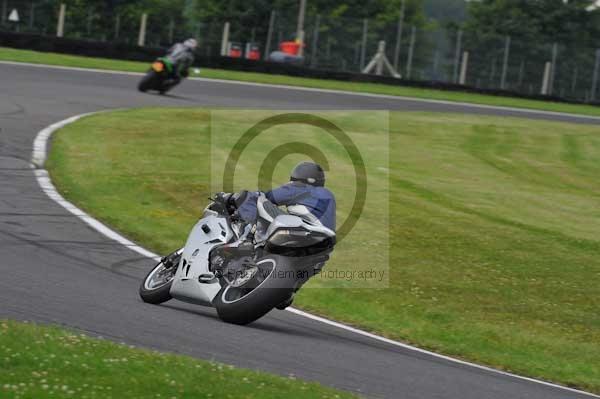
(424, 52)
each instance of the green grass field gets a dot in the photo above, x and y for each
(9, 54)
(48, 362)
(493, 223)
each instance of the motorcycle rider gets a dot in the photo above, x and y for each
(306, 188)
(304, 195)
(181, 56)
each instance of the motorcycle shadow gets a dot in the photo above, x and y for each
(196, 310)
(268, 324)
(173, 96)
(176, 97)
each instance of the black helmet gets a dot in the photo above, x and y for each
(309, 173)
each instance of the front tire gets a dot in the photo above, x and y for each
(156, 286)
(148, 82)
(276, 287)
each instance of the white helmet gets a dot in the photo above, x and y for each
(191, 43)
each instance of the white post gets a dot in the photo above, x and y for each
(301, 13)
(380, 51)
(411, 50)
(301, 42)
(399, 36)
(269, 35)
(457, 55)
(225, 39)
(553, 68)
(546, 81)
(300, 27)
(463, 68)
(379, 61)
(142, 34)
(60, 29)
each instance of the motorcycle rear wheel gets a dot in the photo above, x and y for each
(244, 308)
(166, 87)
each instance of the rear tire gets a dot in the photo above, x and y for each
(260, 301)
(166, 87)
(148, 81)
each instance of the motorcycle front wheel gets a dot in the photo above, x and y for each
(156, 286)
(271, 285)
(148, 82)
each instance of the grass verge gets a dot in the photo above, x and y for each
(48, 362)
(9, 54)
(493, 224)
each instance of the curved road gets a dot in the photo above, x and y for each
(56, 269)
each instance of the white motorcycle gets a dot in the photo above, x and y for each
(242, 270)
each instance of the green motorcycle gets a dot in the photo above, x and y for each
(160, 77)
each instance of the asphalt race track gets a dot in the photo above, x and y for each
(56, 269)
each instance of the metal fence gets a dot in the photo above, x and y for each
(425, 52)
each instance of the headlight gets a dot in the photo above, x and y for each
(158, 66)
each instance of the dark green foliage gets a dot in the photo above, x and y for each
(534, 27)
(544, 21)
(446, 10)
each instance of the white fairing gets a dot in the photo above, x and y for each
(303, 212)
(299, 216)
(192, 282)
(298, 219)
(284, 221)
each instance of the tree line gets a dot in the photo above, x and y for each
(534, 26)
